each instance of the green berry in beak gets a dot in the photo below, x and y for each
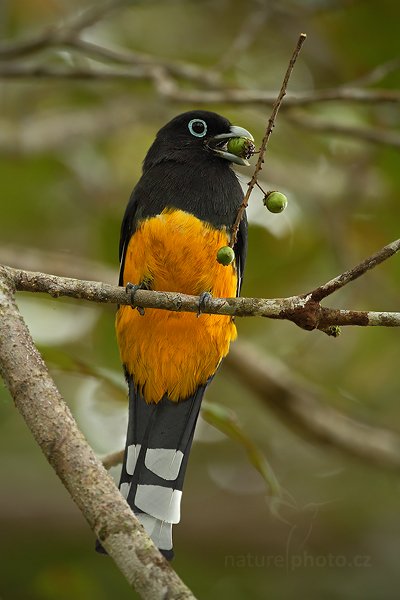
(241, 146)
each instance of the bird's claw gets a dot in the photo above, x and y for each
(204, 298)
(132, 288)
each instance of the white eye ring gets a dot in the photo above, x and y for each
(195, 123)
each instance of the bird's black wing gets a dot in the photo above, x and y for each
(127, 230)
(241, 252)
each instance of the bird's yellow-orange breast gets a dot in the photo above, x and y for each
(168, 352)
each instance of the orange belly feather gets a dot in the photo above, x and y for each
(169, 352)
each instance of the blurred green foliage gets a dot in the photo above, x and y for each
(70, 152)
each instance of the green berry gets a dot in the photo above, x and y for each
(276, 202)
(241, 146)
(225, 256)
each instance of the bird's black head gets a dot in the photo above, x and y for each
(193, 137)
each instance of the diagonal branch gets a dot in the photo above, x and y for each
(297, 404)
(64, 446)
(375, 135)
(250, 28)
(366, 265)
(55, 34)
(174, 68)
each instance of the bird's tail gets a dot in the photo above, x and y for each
(157, 450)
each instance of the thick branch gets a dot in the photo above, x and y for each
(55, 430)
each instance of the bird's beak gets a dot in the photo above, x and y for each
(217, 144)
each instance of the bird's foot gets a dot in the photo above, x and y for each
(132, 288)
(204, 298)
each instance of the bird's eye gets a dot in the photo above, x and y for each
(197, 127)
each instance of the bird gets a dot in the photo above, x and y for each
(179, 215)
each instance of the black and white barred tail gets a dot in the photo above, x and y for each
(157, 449)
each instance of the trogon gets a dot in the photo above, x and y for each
(179, 214)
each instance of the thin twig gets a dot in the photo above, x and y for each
(369, 263)
(179, 69)
(375, 135)
(248, 31)
(113, 460)
(377, 73)
(267, 135)
(55, 34)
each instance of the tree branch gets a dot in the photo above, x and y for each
(56, 34)
(366, 265)
(39, 71)
(55, 132)
(62, 263)
(113, 460)
(304, 310)
(297, 404)
(174, 68)
(378, 73)
(375, 135)
(225, 95)
(64, 446)
(302, 419)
